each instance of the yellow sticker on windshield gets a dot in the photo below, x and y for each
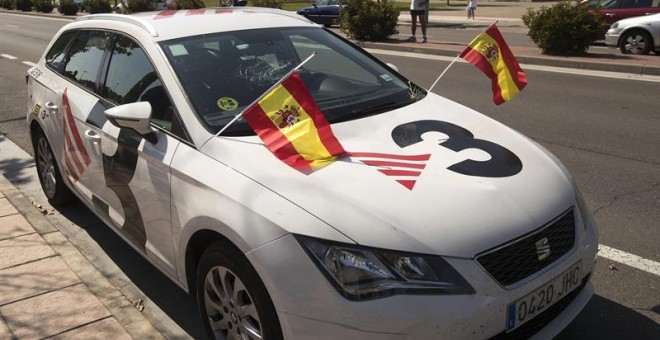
(227, 104)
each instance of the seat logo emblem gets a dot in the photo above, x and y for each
(542, 249)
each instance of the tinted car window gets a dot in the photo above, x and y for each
(635, 3)
(130, 73)
(57, 53)
(131, 78)
(85, 57)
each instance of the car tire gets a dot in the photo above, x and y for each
(232, 299)
(636, 42)
(50, 177)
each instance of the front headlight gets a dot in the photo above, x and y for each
(361, 273)
(614, 26)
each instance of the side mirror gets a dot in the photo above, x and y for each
(392, 66)
(134, 116)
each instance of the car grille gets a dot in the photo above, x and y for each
(516, 260)
(532, 327)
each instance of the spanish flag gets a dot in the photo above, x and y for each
(293, 128)
(489, 53)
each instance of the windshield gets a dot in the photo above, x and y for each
(223, 73)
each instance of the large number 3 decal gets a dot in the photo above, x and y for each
(503, 163)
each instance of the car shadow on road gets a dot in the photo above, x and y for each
(606, 319)
(157, 287)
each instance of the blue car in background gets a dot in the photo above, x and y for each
(324, 12)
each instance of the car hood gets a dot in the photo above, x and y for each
(462, 202)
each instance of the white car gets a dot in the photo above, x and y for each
(638, 35)
(440, 223)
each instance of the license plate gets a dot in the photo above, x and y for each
(526, 308)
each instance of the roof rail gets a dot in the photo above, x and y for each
(123, 18)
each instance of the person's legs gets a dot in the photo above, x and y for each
(413, 16)
(422, 22)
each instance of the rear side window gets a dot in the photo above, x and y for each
(85, 56)
(57, 53)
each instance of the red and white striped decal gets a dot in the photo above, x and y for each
(76, 158)
(405, 169)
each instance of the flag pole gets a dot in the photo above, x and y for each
(443, 72)
(238, 116)
(453, 61)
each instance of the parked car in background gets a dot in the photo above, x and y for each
(637, 35)
(324, 12)
(615, 10)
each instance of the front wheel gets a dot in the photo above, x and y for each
(232, 300)
(49, 174)
(636, 42)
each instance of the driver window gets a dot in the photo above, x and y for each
(132, 78)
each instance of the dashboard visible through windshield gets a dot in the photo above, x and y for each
(223, 73)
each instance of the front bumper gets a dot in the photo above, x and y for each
(309, 306)
(612, 37)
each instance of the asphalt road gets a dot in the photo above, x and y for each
(604, 130)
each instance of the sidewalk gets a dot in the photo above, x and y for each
(48, 289)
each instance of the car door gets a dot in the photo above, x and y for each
(136, 171)
(69, 79)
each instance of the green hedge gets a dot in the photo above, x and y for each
(564, 28)
(24, 5)
(98, 6)
(369, 20)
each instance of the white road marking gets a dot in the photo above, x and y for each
(628, 259)
(7, 56)
(12, 26)
(29, 63)
(572, 71)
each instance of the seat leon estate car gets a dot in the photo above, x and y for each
(435, 222)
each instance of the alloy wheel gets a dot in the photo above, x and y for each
(636, 42)
(229, 306)
(46, 167)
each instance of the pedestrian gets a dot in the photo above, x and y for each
(418, 10)
(471, 8)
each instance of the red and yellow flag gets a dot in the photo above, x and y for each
(293, 128)
(489, 53)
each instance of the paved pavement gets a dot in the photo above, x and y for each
(49, 289)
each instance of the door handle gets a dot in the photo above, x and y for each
(92, 136)
(51, 107)
(610, 14)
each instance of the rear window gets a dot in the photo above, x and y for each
(57, 53)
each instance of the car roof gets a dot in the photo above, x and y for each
(166, 25)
